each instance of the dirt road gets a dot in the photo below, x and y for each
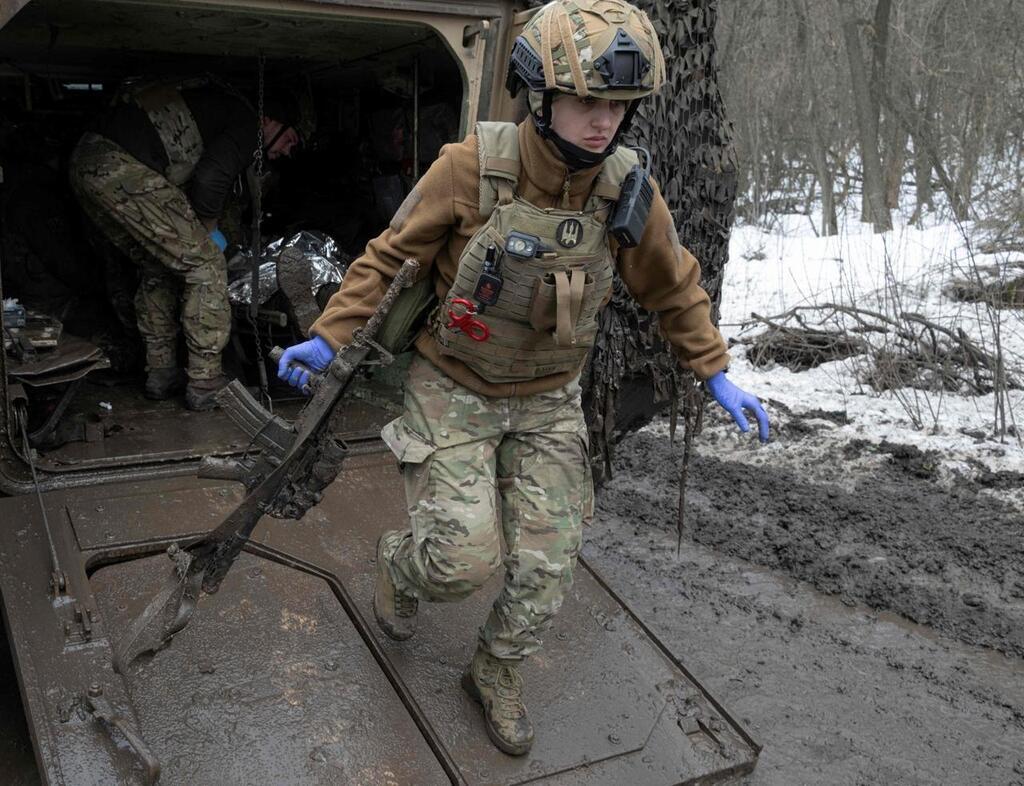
(784, 596)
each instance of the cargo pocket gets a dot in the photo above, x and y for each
(407, 446)
(413, 453)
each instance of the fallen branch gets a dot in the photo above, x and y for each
(916, 352)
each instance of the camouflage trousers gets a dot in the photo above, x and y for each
(151, 221)
(461, 453)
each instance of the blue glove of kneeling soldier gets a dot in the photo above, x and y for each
(218, 239)
(315, 355)
(734, 401)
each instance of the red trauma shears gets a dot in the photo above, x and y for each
(462, 316)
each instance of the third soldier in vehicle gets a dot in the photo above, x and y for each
(153, 176)
(521, 228)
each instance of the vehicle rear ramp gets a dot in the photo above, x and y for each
(282, 677)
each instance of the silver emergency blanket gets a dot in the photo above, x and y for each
(327, 265)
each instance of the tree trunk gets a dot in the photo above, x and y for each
(926, 140)
(922, 184)
(685, 127)
(895, 162)
(867, 121)
(970, 145)
(819, 147)
(918, 118)
(879, 67)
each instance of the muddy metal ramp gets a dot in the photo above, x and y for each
(282, 678)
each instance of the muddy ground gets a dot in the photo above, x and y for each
(858, 608)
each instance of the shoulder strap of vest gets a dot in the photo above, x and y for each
(498, 147)
(608, 184)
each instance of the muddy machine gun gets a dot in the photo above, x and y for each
(297, 462)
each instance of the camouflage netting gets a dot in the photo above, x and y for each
(686, 129)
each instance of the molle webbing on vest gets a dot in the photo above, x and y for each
(176, 127)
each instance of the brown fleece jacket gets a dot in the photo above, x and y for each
(441, 214)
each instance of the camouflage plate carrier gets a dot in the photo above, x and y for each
(545, 319)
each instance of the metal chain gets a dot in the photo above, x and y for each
(258, 154)
(256, 241)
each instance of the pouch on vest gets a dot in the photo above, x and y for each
(407, 316)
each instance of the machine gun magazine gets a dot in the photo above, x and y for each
(273, 434)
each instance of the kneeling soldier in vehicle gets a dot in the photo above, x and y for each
(516, 224)
(153, 176)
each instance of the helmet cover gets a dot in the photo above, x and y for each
(601, 48)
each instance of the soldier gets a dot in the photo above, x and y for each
(153, 176)
(513, 226)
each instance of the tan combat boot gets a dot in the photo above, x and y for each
(395, 611)
(498, 686)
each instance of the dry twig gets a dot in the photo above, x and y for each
(917, 351)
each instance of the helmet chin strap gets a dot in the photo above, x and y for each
(577, 157)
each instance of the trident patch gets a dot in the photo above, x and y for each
(569, 233)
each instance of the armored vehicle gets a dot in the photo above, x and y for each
(280, 677)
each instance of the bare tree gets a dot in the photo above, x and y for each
(819, 146)
(865, 100)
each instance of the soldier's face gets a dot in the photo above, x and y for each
(284, 143)
(589, 122)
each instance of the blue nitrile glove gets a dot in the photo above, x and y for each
(315, 354)
(218, 238)
(734, 401)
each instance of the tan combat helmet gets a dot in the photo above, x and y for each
(589, 48)
(604, 48)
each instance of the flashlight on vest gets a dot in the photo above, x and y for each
(522, 245)
(488, 286)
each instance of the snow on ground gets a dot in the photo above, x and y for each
(907, 269)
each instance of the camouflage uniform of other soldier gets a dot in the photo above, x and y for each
(500, 418)
(153, 177)
(151, 220)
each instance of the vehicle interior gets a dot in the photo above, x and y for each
(379, 96)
